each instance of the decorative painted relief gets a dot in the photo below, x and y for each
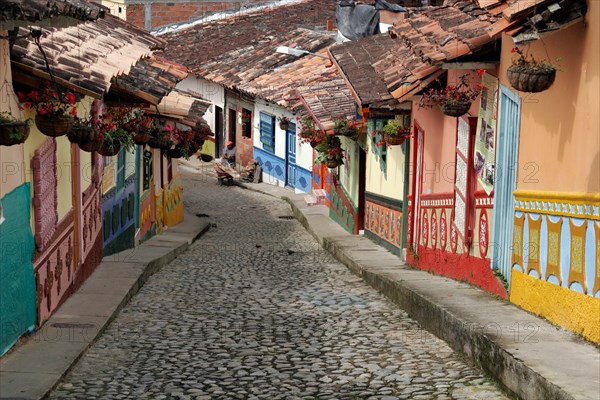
(561, 238)
(384, 222)
(45, 195)
(173, 202)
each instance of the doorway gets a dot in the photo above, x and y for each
(232, 125)
(290, 156)
(509, 115)
(218, 131)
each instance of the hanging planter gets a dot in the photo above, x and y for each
(345, 127)
(176, 152)
(142, 138)
(206, 157)
(530, 76)
(333, 163)
(13, 133)
(284, 123)
(453, 100)
(394, 133)
(89, 146)
(108, 150)
(455, 108)
(530, 81)
(54, 109)
(53, 126)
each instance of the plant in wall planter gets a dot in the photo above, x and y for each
(345, 127)
(530, 75)
(395, 133)
(284, 123)
(55, 110)
(453, 100)
(12, 130)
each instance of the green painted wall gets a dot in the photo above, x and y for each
(17, 280)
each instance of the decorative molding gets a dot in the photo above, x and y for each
(579, 205)
(385, 201)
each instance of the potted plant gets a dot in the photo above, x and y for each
(309, 133)
(333, 155)
(84, 134)
(284, 123)
(453, 100)
(530, 75)
(345, 127)
(54, 110)
(161, 136)
(246, 117)
(12, 130)
(395, 133)
(112, 137)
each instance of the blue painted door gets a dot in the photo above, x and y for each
(290, 157)
(509, 116)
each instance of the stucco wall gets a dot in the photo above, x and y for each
(392, 185)
(564, 120)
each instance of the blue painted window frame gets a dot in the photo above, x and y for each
(267, 132)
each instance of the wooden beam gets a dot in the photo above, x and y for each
(471, 65)
(35, 78)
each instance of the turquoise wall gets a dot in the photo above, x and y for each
(17, 281)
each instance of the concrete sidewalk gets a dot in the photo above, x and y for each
(530, 357)
(36, 366)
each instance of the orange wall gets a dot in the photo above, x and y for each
(559, 146)
(440, 141)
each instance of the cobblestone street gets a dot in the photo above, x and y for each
(256, 310)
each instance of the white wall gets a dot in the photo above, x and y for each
(207, 90)
(304, 157)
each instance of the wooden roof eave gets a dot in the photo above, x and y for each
(33, 77)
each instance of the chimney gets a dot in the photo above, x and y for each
(329, 25)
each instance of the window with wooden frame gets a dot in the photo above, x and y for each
(267, 132)
(246, 123)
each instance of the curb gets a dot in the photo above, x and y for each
(26, 385)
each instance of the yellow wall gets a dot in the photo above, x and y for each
(575, 311)
(12, 171)
(114, 5)
(393, 185)
(564, 121)
(63, 165)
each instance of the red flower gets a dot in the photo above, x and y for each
(70, 98)
(74, 112)
(513, 50)
(481, 71)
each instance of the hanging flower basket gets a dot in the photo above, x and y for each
(395, 140)
(528, 74)
(13, 133)
(332, 163)
(284, 125)
(345, 127)
(175, 152)
(456, 108)
(54, 126)
(206, 157)
(142, 138)
(89, 146)
(530, 79)
(108, 151)
(314, 144)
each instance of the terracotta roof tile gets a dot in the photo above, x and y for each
(86, 57)
(197, 45)
(24, 12)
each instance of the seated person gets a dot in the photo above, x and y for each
(229, 154)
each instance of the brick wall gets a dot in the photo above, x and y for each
(164, 13)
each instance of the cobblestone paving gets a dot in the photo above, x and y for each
(255, 310)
